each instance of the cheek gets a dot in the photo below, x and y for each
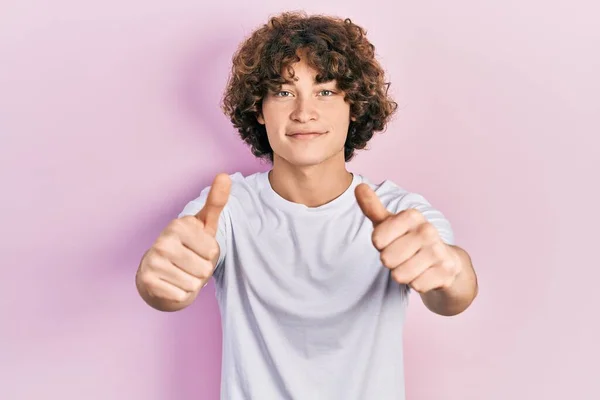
(343, 124)
(274, 125)
(341, 114)
(274, 117)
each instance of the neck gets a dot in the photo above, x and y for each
(313, 185)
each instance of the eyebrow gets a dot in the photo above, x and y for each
(293, 82)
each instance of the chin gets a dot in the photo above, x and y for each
(302, 162)
(307, 160)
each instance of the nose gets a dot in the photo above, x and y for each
(304, 110)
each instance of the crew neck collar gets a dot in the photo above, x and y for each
(347, 197)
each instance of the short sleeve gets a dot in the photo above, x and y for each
(433, 215)
(194, 206)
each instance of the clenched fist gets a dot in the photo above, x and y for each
(183, 258)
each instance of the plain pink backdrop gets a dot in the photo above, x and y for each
(110, 123)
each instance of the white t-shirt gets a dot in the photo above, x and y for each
(307, 309)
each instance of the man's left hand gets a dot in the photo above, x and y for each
(409, 245)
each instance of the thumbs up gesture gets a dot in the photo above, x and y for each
(183, 258)
(409, 245)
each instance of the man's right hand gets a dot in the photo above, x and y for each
(183, 258)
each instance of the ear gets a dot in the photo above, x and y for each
(260, 119)
(352, 118)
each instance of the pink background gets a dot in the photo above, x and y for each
(110, 123)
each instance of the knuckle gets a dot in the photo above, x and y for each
(377, 241)
(397, 275)
(417, 287)
(145, 278)
(413, 214)
(447, 283)
(385, 259)
(197, 284)
(439, 253)
(442, 255)
(446, 262)
(427, 231)
(188, 284)
(205, 271)
(192, 284)
(178, 224)
(180, 297)
(451, 266)
(151, 290)
(184, 224)
(153, 260)
(213, 252)
(161, 248)
(167, 243)
(190, 221)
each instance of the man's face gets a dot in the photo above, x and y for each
(306, 122)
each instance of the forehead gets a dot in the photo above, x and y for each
(299, 71)
(302, 73)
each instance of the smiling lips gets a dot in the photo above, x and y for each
(305, 135)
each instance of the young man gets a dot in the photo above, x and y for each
(312, 264)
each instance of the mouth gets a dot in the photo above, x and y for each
(305, 135)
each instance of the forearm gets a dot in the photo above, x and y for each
(458, 297)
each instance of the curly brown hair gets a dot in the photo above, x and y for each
(336, 48)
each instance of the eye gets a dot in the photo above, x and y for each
(327, 93)
(282, 93)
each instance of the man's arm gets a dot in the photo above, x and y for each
(458, 297)
(184, 257)
(419, 256)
